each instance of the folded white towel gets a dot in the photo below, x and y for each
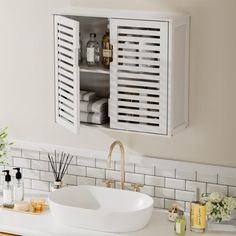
(87, 96)
(97, 106)
(94, 118)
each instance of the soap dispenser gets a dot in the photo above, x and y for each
(7, 191)
(18, 186)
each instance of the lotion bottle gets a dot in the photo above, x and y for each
(197, 214)
(18, 186)
(7, 191)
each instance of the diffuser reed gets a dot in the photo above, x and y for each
(59, 164)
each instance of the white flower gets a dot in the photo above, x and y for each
(216, 197)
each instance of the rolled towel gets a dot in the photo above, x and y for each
(87, 96)
(97, 106)
(94, 118)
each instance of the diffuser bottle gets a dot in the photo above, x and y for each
(7, 191)
(18, 186)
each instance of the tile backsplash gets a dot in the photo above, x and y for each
(165, 183)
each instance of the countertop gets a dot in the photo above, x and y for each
(43, 225)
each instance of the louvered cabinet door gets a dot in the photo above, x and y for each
(138, 80)
(66, 73)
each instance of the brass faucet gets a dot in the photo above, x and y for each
(122, 160)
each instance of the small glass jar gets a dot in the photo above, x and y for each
(56, 185)
(180, 224)
(38, 205)
(92, 51)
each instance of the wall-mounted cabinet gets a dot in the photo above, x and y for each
(147, 83)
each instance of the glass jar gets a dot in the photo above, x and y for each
(180, 224)
(56, 185)
(92, 51)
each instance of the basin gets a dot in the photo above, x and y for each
(100, 208)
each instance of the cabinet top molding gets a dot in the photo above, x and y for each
(120, 13)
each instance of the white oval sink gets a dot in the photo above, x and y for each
(100, 208)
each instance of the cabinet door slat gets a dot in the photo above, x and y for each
(139, 61)
(140, 47)
(138, 105)
(138, 83)
(136, 54)
(136, 90)
(141, 112)
(140, 68)
(139, 39)
(140, 76)
(67, 89)
(138, 119)
(140, 98)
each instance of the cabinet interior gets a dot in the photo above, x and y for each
(93, 78)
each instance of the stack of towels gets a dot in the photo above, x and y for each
(93, 109)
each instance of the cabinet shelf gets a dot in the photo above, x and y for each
(96, 69)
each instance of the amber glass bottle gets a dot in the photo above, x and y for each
(106, 50)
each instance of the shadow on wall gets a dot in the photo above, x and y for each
(160, 5)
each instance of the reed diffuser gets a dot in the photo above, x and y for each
(59, 164)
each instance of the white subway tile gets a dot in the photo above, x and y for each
(184, 195)
(149, 190)
(76, 170)
(209, 178)
(82, 161)
(159, 202)
(227, 180)
(27, 183)
(40, 165)
(104, 164)
(96, 173)
(40, 185)
(21, 162)
(30, 154)
(169, 203)
(129, 167)
(85, 181)
(9, 162)
(74, 160)
(134, 178)
(154, 180)
(113, 175)
(216, 188)
(164, 193)
(192, 186)
(69, 179)
(47, 176)
(148, 170)
(175, 183)
(43, 156)
(99, 182)
(31, 174)
(165, 172)
(180, 174)
(232, 191)
(15, 152)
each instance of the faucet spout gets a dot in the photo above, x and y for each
(122, 160)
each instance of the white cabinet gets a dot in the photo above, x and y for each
(147, 84)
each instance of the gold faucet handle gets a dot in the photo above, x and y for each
(108, 183)
(136, 187)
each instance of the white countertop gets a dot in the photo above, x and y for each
(43, 225)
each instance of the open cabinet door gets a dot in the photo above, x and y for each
(138, 76)
(67, 85)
